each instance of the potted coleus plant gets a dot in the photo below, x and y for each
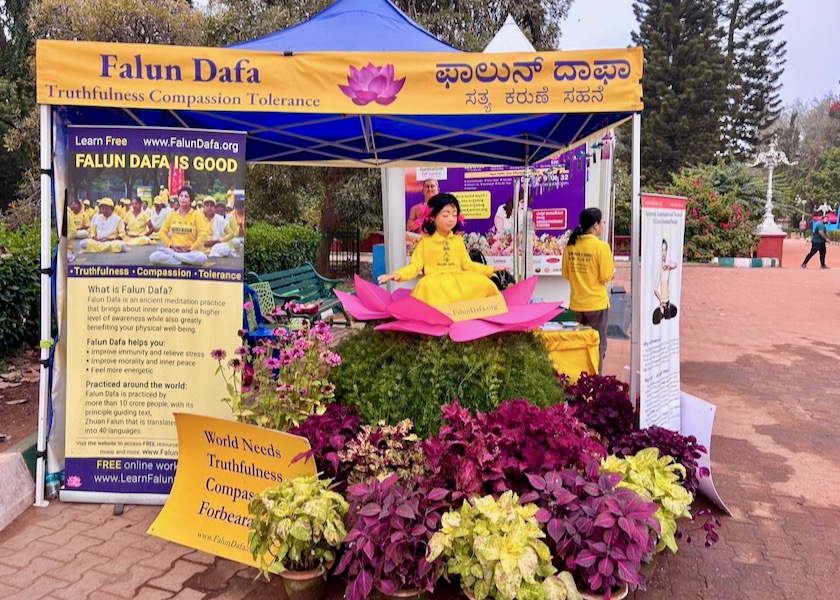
(382, 449)
(387, 545)
(600, 532)
(295, 530)
(497, 549)
(328, 435)
(656, 478)
(492, 452)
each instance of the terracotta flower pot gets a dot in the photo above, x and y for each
(305, 585)
(412, 594)
(618, 594)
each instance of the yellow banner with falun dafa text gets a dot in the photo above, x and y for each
(376, 83)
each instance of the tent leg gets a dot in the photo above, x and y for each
(46, 300)
(635, 243)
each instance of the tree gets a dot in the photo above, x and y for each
(755, 62)
(684, 85)
(820, 186)
(471, 25)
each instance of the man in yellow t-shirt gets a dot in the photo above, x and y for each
(78, 220)
(588, 265)
(89, 210)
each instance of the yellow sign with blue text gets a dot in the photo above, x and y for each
(396, 83)
(221, 466)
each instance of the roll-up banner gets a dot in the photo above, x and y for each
(663, 231)
(151, 290)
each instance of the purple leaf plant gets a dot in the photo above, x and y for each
(603, 403)
(391, 525)
(599, 532)
(492, 452)
(328, 434)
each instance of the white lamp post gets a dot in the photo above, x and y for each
(772, 158)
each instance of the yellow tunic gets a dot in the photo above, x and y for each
(90, 212)
(80, 221)
(184, 230)
(136, 229)
(450, 275)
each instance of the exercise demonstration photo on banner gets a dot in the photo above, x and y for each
(152, 287)
(663, 231)
(486, 195)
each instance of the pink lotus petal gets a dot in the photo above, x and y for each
(412, 309)
(354, 76)
(357, 308)
(401, 294)
(388, 72)
(371, 295)
(411, 326)
(521, 292)
(348, 91)
(366, 75)
(525, 313)
(385, 100)
(378, 84)
(394, 87)
(364, 97)
(467, 331)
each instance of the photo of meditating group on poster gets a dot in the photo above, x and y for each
(195, 216)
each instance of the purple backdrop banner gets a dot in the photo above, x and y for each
(556, 190)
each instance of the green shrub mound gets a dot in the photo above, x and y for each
(270, 248)
(20, 292)
(394, 376)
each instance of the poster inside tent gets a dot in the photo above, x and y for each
(663, 231)
(556, 196)
(149, 295)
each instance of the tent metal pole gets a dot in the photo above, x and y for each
(635, 244)
(46, 301)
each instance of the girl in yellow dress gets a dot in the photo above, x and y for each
(449, 274)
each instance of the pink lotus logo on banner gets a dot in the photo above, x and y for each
(372, 84)
(74, 481)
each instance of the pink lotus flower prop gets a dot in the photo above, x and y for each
(372, 84)
(373, 303)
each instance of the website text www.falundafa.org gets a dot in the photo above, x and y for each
(176, 142)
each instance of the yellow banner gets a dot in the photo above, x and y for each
(400, 83)
(221, 466)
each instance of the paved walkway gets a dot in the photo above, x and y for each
(762, 344)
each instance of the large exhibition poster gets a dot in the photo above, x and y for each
(152, 289)
(556, 195)
(663, 231)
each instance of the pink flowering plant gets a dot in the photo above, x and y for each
(288, 377)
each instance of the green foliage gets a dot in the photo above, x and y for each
(656, 478)
(496, 547)
(270, 248)
(623, 195)
(821, 184)
(21, 288)
(297, 525)
(392, 376)
(684, 86)
(715, 224)
(755, 62)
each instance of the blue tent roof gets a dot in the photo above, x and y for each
(366, 141)
(352, 25)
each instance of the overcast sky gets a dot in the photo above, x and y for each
(811, 31)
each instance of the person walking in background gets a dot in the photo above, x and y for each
(588, 266)
(818, 242)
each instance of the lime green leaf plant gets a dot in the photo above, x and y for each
(656, 478)
(497, 548)
(296, 525)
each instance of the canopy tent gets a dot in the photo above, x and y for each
(385, 94)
